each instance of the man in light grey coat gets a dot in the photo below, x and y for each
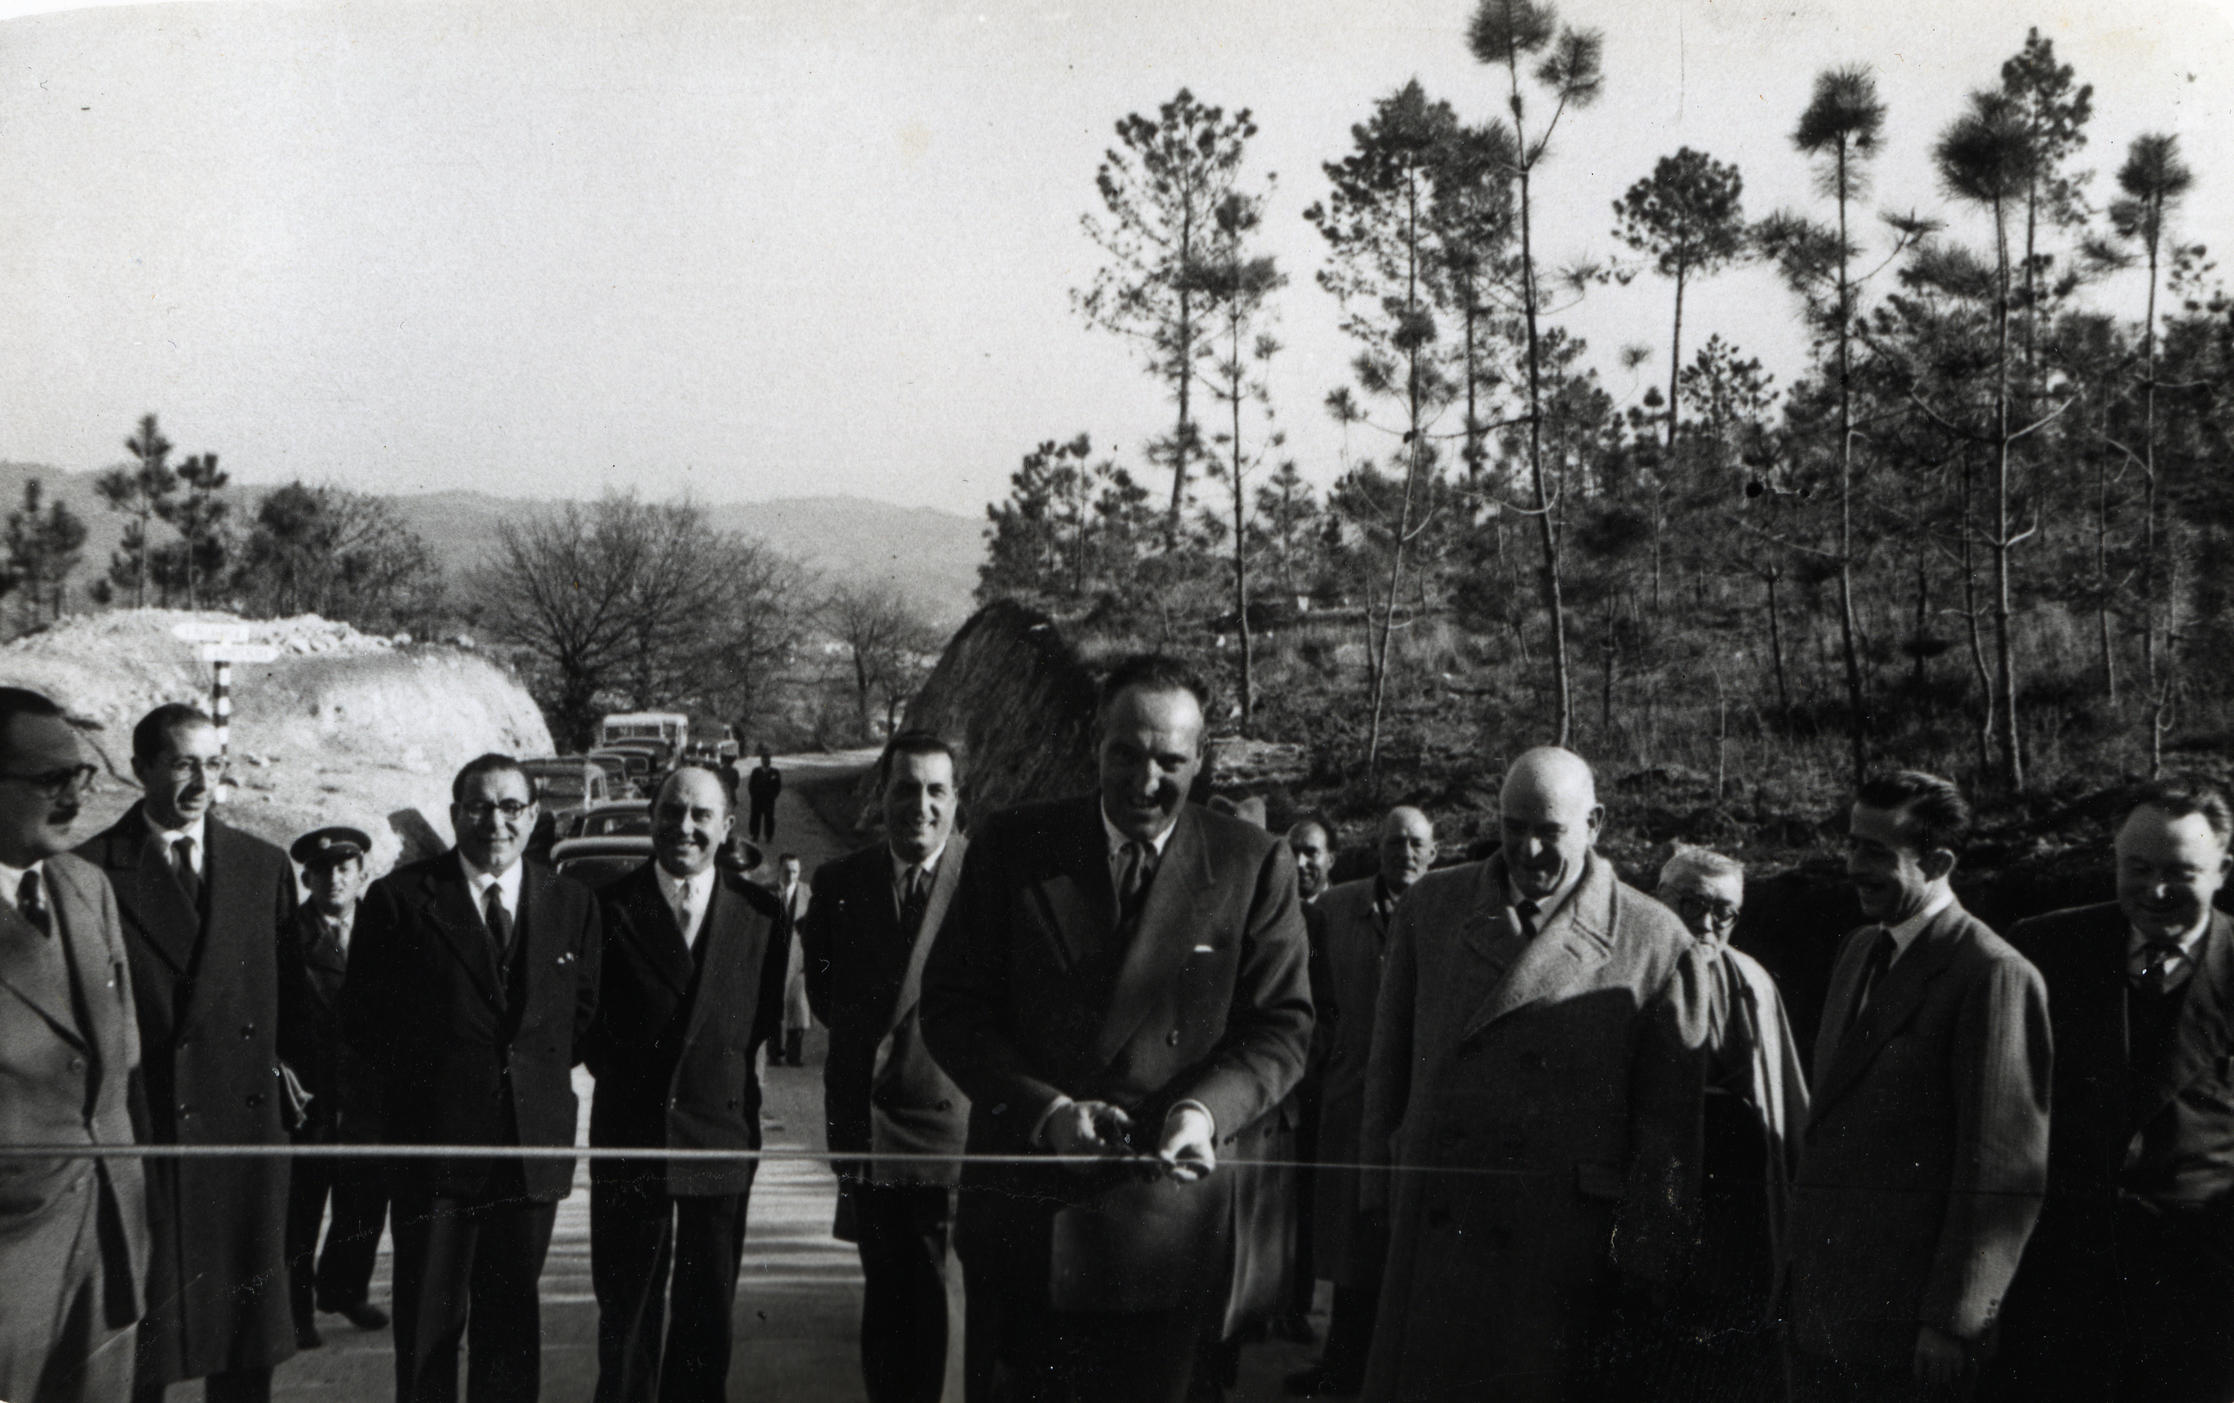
(1926, 1151)
(1537, 1070)
(73, 1232)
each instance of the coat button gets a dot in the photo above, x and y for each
(77, 1064)
(255, 1098)
(1171, 1039)
(946, 1105)
(248, 1030)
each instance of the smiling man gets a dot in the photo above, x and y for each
(472, 981)
(199, 896)
(2127, 1290)
(691, 978)
(867, 936)
(1926, 1147)
(1541, 1018)
(1120, 983)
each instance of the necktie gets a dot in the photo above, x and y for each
(2158, 975)
(1873, 968)
(499, 921)
(914, 902)
(31, 903)
(1132, 880)
(182, 867)
(686, 913)
(1525, 914)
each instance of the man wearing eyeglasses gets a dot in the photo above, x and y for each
(73, 1233)
(203, 905)
(472, 982)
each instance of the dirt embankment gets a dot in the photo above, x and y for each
(342, 727)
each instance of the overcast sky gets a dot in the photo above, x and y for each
(755, 250)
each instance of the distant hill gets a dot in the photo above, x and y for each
(930, 555)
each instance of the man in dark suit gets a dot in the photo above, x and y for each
(2127, 1289)
(1926, 1148)
(73, 1233)
(1311, 839)
(761, 788)
(203, 907)
(866, 938)
(472, 982)
(313, 958)
(794, 898)
(1354, 921)
(1121, 984)
(690, 977)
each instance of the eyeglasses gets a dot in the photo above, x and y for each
(1720, 912)
(55, 783)
(185, 767)
(510, 809)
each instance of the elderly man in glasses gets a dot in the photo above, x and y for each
(471, 987)
(203, 906)
(1715, 1333)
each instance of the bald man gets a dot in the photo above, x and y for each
(1353, 920)
(1540, 1020)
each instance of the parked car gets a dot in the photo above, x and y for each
(568, 784)
(616, 818)
(596, 861)
(636, 766)
(617, 783)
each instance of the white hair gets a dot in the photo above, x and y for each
(1704, 863)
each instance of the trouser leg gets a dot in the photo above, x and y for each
(903, 1293)
(309, 1181)
(1349, 1333)
(631, 1241)
(238, 1386)
(709, 1245)
(504, 1331)
(359, 1212)
(435, 1239)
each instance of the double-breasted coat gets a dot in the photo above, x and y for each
(1029, 996)
(446, 1046)
(66, 1079)
(1926, 1148)
(1560, 1079)
(206, 985)
(672, 1045)
(882, 1091)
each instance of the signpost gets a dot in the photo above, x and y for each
(224, 643)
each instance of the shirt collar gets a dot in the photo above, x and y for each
(11, 882)
(198, 830)
(2135, 942)
(1544, 908)
(479, 883)
(901, 866)
(699, 884)
(1904, 934)
(1118, 838)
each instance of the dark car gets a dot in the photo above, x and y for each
(596, 861)
(613, 819)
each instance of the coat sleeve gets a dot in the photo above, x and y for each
(369, 990)
(965, 1008)
(2001, 1070)
(589, 966)
(814, 942)
(1268, 1022)
(1389, 1066)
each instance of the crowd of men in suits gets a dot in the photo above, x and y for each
(1139, 1068)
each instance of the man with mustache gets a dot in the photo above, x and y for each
(1537, 1070)
(1354, 919)
(73, 1233)
(472, 981)
(867, 937)
(1120, 989)
(204, 905)
(1926, 1147)
(2127, 1289)
(691, 978)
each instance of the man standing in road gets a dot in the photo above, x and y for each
(472, 982)
(1926, 1149)
(875, 915)
(203, 907)
(794, 898)
(2127, 1289)
(689, 978)
(1541, 1020)
(761, 788)
(73, 1233)
(1121, 984)
(1354, 918)
(313, 959)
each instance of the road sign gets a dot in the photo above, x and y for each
(212, 631)
(237, 653)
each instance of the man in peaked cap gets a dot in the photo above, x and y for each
(313, 957)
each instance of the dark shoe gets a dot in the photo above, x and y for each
(1318, 1382)
(362, 1314)
(1294, 1328)
(307, 1336)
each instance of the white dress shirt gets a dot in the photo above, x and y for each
(1119, 839)
(902, 868)
(11, 884)
(2140, 950)
(507, 884)
(689, 898)
(1904, 934)
(167, 840)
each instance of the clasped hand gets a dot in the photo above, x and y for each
(1085, 1131)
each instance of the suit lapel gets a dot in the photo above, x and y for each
(934, 910)
(1164, 936)
(722, 935)
(20, 945)
(651, 923)
(104, 984)
(1077, 901)
(1576, 940)
(449, 900)
(1899, 993)
(142, 873)
(2202, 1034)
